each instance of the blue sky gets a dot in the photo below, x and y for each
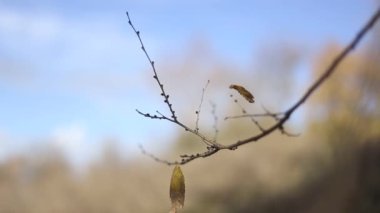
(71, 72)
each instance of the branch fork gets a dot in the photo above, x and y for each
(280, 118)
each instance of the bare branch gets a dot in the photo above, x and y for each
(253, 115)
(329, 70)
(173, 118)
(280, 118)
(244, 112)
(152, 116)
(284, 132)
(185, 158)
(155, 158)
(275, 116)
(155, 76)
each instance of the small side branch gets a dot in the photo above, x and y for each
(157, 159)
(215, 125)
(244, 112)
(185, 158)
(155, 76)
(198, 112)
(173, 118)
(275, 116)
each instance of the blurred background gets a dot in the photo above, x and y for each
(72, 75)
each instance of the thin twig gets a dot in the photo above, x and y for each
(155, 76)
(251, 115)
(173, 118)
(275, 115)
(198, 112)
(143, 151)
(244, 112)
(215, 124)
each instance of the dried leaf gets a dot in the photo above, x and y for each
(243, 92)
(177, 189)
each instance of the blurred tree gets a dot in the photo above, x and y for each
(276, 76)
(347, 108)
(346, 117)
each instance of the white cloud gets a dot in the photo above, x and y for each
(93, 34)
(88, 53)
(41, 27)
(73, 141)
(9, 145)
(4, 143)
(70, 138)
(3, 136)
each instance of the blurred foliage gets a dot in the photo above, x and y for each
(350, 99)
(31, 184)
(345, 115)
